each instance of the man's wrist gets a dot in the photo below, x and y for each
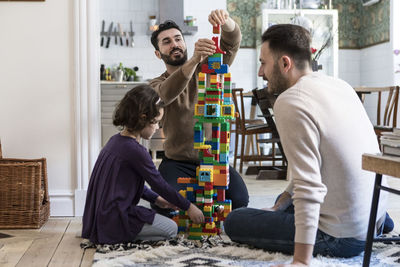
(229, 25)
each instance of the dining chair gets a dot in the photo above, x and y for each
(265, 102)
(247, 128)
(386, 119)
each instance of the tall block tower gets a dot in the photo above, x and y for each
(215, 107)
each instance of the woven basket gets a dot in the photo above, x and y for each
(24, 197)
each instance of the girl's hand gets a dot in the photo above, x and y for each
(195, 214)
(162, 203)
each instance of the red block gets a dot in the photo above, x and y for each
(215, 134)
(216, 43)
(217, 29)
(205, 69)
(208, 186)
(220, 195)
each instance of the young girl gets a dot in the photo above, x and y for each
(117, 183)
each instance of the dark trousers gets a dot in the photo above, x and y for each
(171, 170)
(274, 231)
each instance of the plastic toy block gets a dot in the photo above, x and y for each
(216, 43)
(185, 180)
(222, 69)
(199, 110)
(208, 193)
(224, 171)
(220, 180)
(214, 65)
(227, 110)
(217, 93)
(206, 175)
(195, 230)
(217, 29)
(199, 199)
(183, 193)
(210, 226)
(207, 208)
(224, 148)
(224, 137)
(194, 237)
(205, 69)
(221, 195)
(223, 157)
(202, 75)
(212, 110)
(198, 126)
(225, 126)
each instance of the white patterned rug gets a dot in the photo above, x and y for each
(181, 252)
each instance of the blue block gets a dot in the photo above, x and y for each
(215, 146)
(212, 110)
(228, 101)
(181, 229)
(222, 69)
(224, 158)
(204, 176)
(198, 137)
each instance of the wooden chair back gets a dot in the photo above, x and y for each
(266, 102)
(241, 116)
(387, 118)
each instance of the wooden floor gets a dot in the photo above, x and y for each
(57, 242)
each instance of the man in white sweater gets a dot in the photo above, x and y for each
(324, 130)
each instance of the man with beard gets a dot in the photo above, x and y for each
(324, 130)
(177, 87)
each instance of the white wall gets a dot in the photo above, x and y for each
(36, 90)
(142, 55)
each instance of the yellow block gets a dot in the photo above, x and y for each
(210, 226)
(183, 193)
(207, 208)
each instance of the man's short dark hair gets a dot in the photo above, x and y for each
(289, 39)
(168, 24)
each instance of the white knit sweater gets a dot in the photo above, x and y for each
(324, 130)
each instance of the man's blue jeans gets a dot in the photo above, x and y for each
(274, 231)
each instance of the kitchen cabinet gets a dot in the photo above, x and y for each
(323, 22)
(111, 94)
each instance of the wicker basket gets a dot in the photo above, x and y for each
(24, 197)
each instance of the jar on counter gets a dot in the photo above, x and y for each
(153, 23)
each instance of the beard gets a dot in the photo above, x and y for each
(169, 59)
(277, 83)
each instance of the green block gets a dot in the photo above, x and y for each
(191, 229)
(225, 126)
(194, 237)
(223, 149)
(216, 55)
(201, 82)
(207, 213)
(208, 160)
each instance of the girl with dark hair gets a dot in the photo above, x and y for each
(117, 183)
